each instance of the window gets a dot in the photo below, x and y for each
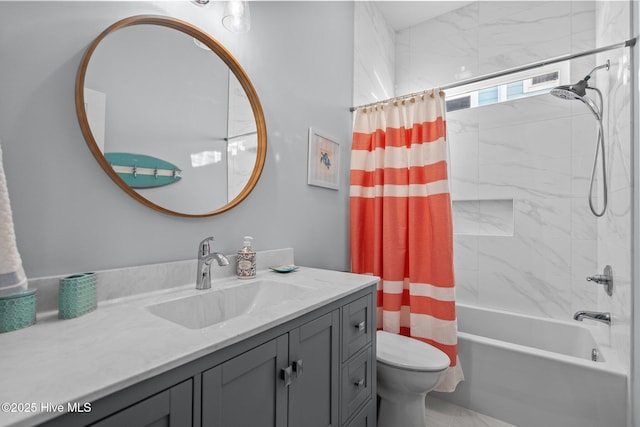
(527, 83)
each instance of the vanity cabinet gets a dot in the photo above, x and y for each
(289, 381)
(358, 360)
(314, 357)
(170, 408)
(314, 370)
(246, 390)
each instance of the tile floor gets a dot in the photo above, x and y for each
(441, 413)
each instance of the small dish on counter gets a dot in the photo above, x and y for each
(285, 268)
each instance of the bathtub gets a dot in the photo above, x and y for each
(531, 371)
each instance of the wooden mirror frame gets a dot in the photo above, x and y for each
(225, 56)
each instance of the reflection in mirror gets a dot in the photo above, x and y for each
(169, 120)
(242, 139)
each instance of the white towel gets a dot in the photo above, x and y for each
(12, 277)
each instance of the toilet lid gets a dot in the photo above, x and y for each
(408, 353)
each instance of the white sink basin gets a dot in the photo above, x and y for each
(210, 307)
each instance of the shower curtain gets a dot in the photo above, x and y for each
(400, 219)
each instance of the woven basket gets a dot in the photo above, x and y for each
(77, 295)
(17, 311)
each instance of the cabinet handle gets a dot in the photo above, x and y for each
(297, 367)
(360, 326)
(359, 383)
(286, 375)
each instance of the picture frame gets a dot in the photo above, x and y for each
(323, 161)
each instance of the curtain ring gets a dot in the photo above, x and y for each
(442, 94)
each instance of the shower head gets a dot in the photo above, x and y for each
(576, 91)
(579, 91)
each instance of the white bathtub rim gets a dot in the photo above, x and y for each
(590, 328)
(611, 361)
(600, 332)
(604, 366)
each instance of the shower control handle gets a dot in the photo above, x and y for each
(605, 279)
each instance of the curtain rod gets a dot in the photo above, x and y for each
(627, 43)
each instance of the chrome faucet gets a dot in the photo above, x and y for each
(594, 315)
(205, 257)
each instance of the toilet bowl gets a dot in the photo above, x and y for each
(407, 370)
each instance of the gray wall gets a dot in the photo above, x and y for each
(70, 217)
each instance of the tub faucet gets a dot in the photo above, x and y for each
(594, 315)
(205, 257)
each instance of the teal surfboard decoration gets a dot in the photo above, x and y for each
(142, 171)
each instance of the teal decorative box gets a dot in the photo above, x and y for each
(17, 311)
(77, 295)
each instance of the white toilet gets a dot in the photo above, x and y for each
(407, 370)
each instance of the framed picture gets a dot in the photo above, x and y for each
(324, 161)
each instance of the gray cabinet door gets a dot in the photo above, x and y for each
(314, 358)
(170, 408)
(248, 390)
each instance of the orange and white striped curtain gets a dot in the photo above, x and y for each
(401, 227)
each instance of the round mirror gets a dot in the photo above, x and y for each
(171, 116)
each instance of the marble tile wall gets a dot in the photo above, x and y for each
(487, 217)
(489, 36)
(614, 231)
(537, 151)
(374, 55)
(446, 46)
(523, 151)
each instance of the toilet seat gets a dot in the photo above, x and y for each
(409, 353)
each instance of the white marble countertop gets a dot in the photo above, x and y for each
(80, 360)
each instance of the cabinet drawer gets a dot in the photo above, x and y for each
(356, 384)
(357, 327)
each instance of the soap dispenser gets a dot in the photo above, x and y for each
(246, 267)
